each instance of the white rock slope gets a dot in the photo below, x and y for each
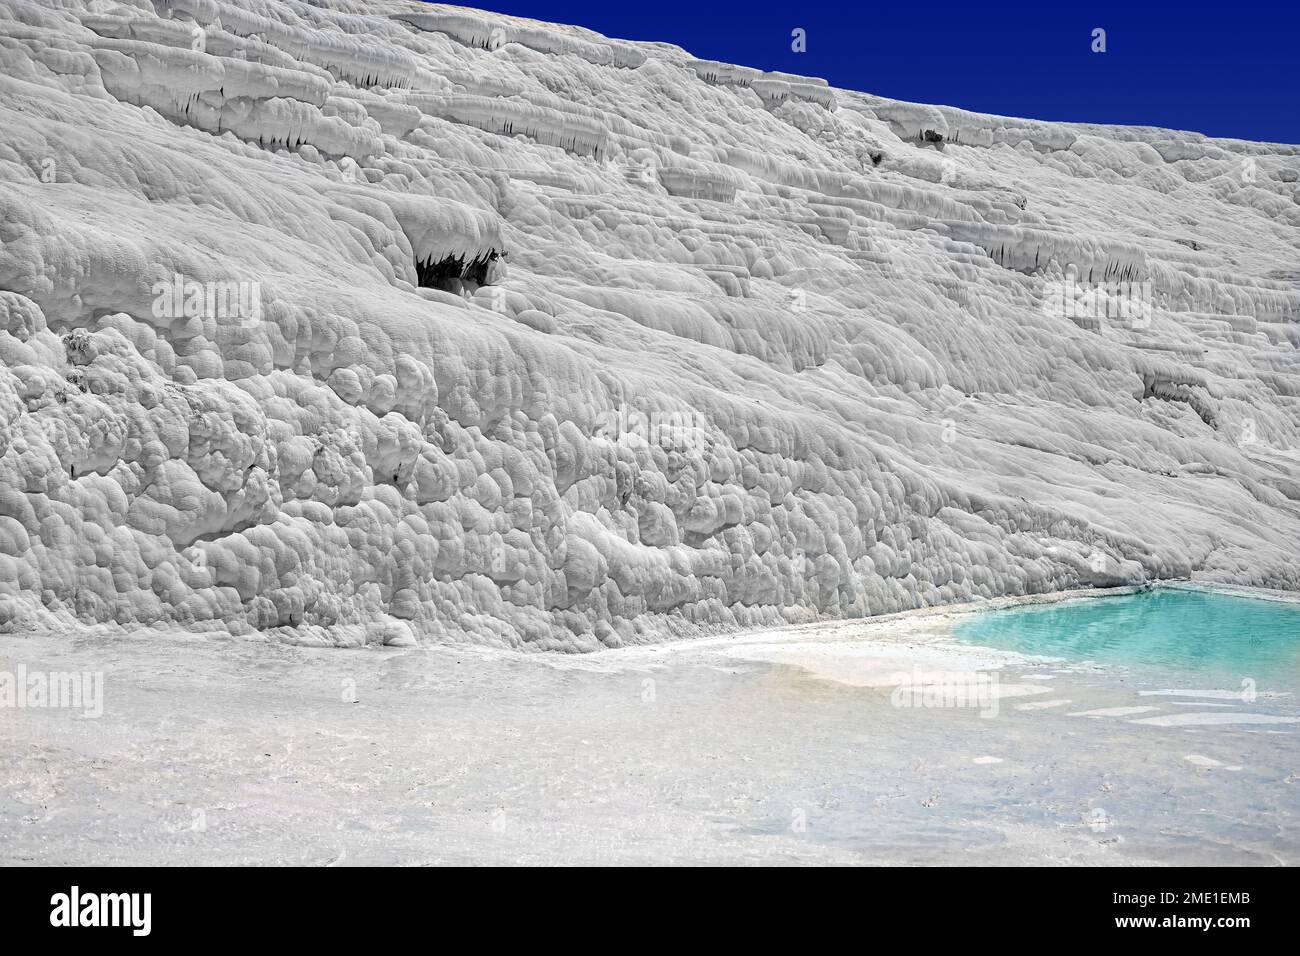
(374, 321)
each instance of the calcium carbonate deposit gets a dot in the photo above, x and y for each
(356, 321)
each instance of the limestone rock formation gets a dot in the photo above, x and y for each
(366, 321)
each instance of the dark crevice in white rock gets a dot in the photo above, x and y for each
(455, 271)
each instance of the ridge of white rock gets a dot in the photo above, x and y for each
(353, 321)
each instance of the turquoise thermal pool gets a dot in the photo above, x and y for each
(1200, 632)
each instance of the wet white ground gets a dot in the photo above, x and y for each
(774, 747)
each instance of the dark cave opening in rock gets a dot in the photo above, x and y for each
(454, 273)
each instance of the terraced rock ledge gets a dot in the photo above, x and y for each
(362, 321)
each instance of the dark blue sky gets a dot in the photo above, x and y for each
(1227, 70)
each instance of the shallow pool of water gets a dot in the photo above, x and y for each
(1200, 632)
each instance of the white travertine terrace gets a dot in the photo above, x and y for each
(363, 321)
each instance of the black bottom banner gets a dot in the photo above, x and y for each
(930, 907)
